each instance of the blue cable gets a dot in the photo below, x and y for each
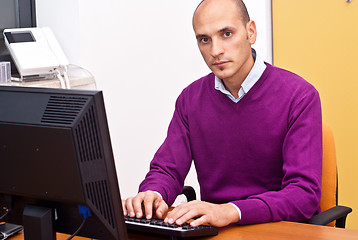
(85, 212)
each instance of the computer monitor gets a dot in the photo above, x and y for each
(15, 14)
(56, 154)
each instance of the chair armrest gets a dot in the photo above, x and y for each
(338, 213)
(189, 193)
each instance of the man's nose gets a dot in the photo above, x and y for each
(216, 48)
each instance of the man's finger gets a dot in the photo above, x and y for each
(129, 207)
(161, 208)
(124, 208)
(148, 206)
(183, 213)
(203, 220)
(137, 206)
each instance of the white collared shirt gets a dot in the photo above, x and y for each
(254, 75)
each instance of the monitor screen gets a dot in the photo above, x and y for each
(15, 14)
(55, 153)
(9, 16)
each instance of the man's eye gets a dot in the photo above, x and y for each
(204, 40)
(227, 34)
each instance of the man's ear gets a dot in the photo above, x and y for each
(251, 31)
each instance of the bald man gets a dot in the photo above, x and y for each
(254, 132)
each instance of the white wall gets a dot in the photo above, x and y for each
(142, 54)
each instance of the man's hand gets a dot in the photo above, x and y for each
(144, 204)
(218, 215)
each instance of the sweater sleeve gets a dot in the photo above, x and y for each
(300, 191)
(172, 161)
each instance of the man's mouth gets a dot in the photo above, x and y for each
(220, 63)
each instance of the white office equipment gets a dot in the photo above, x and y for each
(36, 53)
(5, 72)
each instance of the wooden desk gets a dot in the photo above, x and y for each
(267, 231)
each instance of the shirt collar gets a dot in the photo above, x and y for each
(253, 76)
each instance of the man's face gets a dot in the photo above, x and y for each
(224, 40)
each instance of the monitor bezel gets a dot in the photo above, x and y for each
(27, 18)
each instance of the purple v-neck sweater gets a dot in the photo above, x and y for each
(263, 154)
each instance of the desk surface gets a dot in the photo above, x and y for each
(79, 79)
(267, 231)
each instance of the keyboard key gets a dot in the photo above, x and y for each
(158, 226)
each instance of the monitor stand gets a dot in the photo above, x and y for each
(38, 223)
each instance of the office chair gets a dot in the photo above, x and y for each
(331, 214)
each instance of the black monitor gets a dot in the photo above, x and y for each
(15, 14)
(56, 160)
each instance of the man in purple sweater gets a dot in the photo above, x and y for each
(254, 132)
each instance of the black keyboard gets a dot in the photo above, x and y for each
(157, 226)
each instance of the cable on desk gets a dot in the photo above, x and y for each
(6, 212)
(85, 212)
(65, 81)
(78, 229)
(59, 76)
(65, 75)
